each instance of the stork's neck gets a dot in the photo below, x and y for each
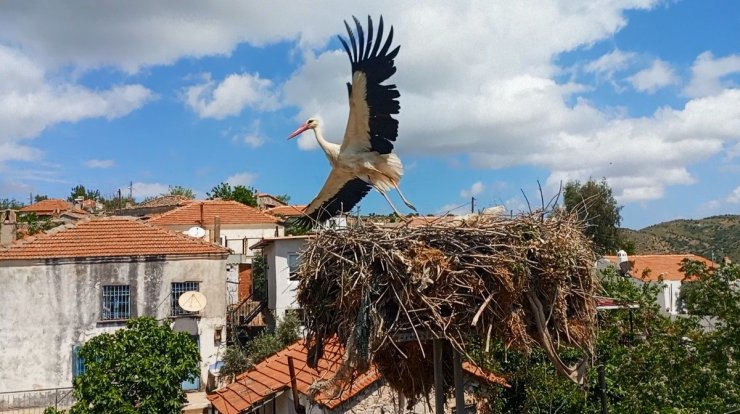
(330, 149)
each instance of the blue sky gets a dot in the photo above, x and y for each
(495, 97)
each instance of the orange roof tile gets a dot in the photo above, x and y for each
(271, 376)
(666, 266)
(47, 206)
(105, 237)
(287, 211)
(230, 212)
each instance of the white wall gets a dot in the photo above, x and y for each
(668, 296)
(235, 234)
(281, 290)
(47, 307)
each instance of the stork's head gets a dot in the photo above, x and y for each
(310, 124)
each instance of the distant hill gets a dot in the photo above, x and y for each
(711, 237)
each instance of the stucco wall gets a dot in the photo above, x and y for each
(235, 234)
(281, 290)
(48, 307)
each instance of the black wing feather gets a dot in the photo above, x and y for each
(378, 65)
(344, 200)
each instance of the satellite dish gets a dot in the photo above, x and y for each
(196, 232)
(192, 301)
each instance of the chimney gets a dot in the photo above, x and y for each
(217, 229)
(8, 227)
(622, 263)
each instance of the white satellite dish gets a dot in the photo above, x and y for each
(192, 301)
(197, 232)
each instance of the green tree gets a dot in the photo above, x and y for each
(595, 205)
(177, 190)
(653, 363)
(239, 359)
(40, 197)
(240, 193)
(284, 198)
(135, 370)
(35, 224)
(10, 203)
(81, 191)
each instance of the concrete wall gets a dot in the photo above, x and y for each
(668, 297)
(49, 306)
(281, 291)
(235, 235)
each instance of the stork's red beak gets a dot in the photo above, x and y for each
(298, 131)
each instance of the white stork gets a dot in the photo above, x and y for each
(365, 158)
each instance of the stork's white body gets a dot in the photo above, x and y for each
(365, 158)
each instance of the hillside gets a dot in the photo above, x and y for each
(711, 237)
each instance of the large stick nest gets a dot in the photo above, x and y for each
(525, 281)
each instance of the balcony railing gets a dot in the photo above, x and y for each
(35, 401)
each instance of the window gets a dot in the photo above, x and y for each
(116, 302)
(178, 288)
(78, 364)
(293, 265)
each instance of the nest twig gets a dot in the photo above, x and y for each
(526, 280)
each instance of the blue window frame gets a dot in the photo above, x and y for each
(116, 302)
(78, 363)
(178, 288)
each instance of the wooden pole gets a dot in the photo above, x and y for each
(294, 388)
(459, 386)
(439, 397)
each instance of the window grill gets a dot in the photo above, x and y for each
(116, 302)
(178, 288)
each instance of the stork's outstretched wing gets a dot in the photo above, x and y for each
(370, 126)
(340, 193)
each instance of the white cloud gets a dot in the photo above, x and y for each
(245, 178)
(659, 75)
(100, 163)
(231, 96)
(473, 191)
(734, 196)
(254, 141)
(30, 103)
(707, 73)
(609, 64)
(144, 190)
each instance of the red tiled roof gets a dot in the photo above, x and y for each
(272, 376)
(161, 201)
(660, 265)
(230, 212)
(287, 211)
(47, 206)
(105, 237)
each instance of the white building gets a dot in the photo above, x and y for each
(282, 255)
(58, 290)
(229, 223)
(663, 269)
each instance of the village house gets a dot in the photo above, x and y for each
(61, 288)
(282, 257)
(269, 388)
(231, 224)
(657, 268)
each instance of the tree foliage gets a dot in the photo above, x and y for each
(239, 359)
(81, 191)
(33, 224)
(10, 203)
(652, 362)
(135, 370)
(177, 190)
(240, 193)
(595, 204)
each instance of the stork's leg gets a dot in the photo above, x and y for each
(389, 203)
(407, 202)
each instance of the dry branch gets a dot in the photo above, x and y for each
(385, 292)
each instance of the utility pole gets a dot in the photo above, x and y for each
(472, 205)
(30, 198)
(120, 206)
(131, 191)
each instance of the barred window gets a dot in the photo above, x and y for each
(116, 302)
(178, 288)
